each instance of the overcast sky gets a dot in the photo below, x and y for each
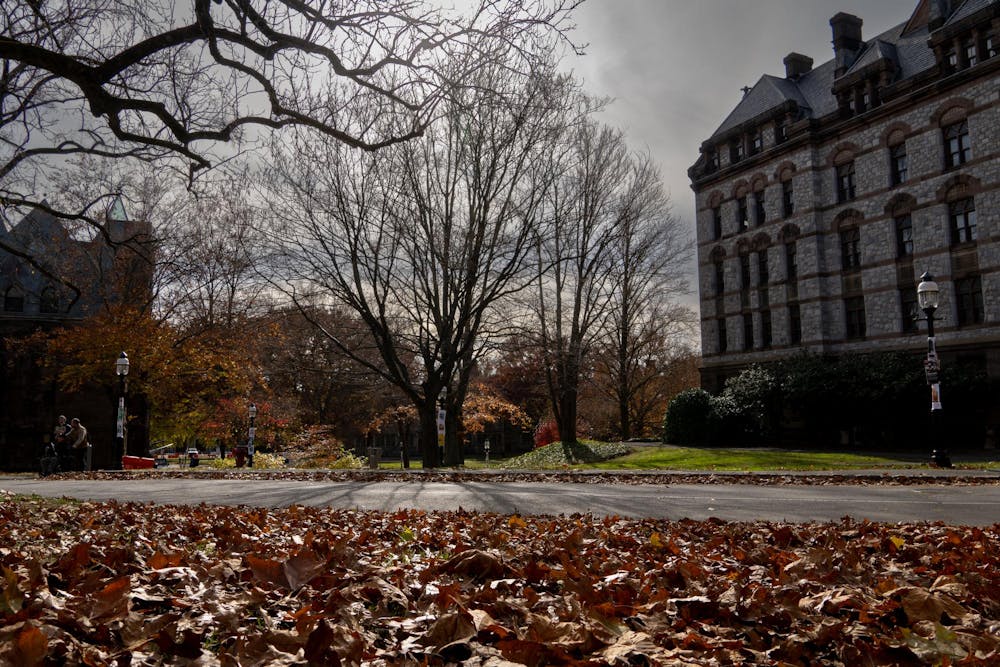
(675, 67)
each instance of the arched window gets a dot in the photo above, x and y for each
(13, 300)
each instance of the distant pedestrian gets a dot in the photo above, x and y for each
(77, 438)
(60, 441)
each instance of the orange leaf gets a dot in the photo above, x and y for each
(112, 600)
(32, 645)
(266, 570)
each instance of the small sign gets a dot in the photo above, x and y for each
(932, 369)
(120, 427)
(440, 422)
(935, 396)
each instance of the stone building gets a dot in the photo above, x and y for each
(827, 192)
(51, 277)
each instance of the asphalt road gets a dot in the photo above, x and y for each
(952, 504)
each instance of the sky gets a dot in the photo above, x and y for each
(675, 67)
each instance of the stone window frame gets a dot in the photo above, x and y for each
(845, 179)
(721, 335)
(894, 139)
(745, 277)
(759, 192)
(970, 52)
(718, 257)
(748, 339)
(957, 143)
(766, 329)
(715, 210)
(737, 151)
(13, 299)
(785, 174)
(850, 247)
(855, 317)
(990, 45)
(788, 237)
(900, 211)
(962, 221)
(898, 164)
(969, 300)
(794, 324)
(903, 228)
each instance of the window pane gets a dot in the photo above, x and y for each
(904, 236)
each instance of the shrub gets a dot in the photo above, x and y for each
(339, 460)
(261, 461)
(687, 419)
(546, 433)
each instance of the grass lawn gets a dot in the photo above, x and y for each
(695, 458)
(692, 458)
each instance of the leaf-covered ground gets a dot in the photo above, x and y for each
(108, 583)
(917, 476)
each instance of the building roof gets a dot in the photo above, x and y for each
(813, 91)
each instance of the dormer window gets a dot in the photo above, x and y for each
(712, 164)
(951, 60)
(780, 132)
(989, 46)
(735, 150)
(756, 143)
(971, 55)
(866, 100)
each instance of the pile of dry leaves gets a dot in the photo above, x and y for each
(107, 583)
(909, 477)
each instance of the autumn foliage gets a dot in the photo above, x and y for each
(107, 583)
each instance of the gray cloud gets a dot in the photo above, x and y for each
(675, 67)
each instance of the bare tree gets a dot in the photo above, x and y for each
(187, 84)
(574, 279)
(423, 241)
(646, 319)
(605, 273)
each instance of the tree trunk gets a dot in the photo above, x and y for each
(567, 423)
(428, 436)
(623, 417)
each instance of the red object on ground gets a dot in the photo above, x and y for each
(137, 463)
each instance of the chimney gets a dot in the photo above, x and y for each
(796, 65)
(940, 10)
(846, 40)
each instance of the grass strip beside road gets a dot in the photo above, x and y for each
(692, 458)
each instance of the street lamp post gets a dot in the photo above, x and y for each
(928, 297)
(253, 431)
(121, 369)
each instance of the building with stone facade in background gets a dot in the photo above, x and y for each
(826, 193)
(51, 277)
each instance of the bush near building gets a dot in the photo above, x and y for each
(863, 400)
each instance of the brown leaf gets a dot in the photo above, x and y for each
(267, 570)
(450, 628)
(160, 560)
(476, 564)
(12, 598)
(923, 605)
(111, 602)
(31, 646)
(330, 645)
(302, 567)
